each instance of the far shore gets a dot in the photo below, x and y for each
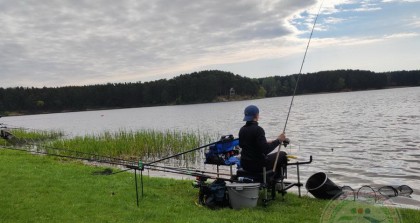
(217, 100)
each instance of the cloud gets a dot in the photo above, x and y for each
(386, 53)
(413, 22)
(359, 42)
(366, 6)
(386, 1)
(333, 20)
(377, 53)
(76, 42)
(101, 38)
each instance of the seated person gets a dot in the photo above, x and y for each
(256, 150)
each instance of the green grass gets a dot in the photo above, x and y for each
(47, 189)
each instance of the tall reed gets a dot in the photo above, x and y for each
(135, 145)
(27, 136)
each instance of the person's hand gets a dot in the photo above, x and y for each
(282, 137)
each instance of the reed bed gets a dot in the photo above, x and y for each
(134, 145)
(27, 136)
(37, 135)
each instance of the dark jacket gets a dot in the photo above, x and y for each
(254, 146)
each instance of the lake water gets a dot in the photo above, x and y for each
(357, 138)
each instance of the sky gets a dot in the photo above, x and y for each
(53, 43)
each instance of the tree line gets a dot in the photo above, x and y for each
(197, 87)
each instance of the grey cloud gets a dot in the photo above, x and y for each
(96, 39)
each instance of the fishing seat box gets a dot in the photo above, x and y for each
(269, 179)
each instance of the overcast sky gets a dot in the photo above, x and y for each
(75, 42)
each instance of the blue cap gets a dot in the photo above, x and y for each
(250, 112)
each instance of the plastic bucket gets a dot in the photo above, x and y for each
(243, 195)
(321, 187)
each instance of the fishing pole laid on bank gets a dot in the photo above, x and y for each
(297, 81)
(222, 151)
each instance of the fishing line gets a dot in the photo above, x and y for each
(297, 81)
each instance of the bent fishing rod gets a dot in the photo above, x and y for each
(297, 82)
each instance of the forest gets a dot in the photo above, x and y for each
(197, 87)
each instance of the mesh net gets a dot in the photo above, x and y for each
(404, 190)
(388, 191)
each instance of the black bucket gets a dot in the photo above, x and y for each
(321, 187)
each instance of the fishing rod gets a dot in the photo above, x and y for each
(32, 147)
(25, 145)
(184, 170)
(178, 171)
(182, 153)
(71, 154)
(17, 143)
(130, 165)
(297, 81)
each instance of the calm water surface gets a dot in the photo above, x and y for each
(357, 138)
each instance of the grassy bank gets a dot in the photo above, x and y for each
(47, 189)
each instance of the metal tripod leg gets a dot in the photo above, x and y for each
(265, 186)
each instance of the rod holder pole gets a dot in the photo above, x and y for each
(141, 181)
(137, 191)
(298, 176)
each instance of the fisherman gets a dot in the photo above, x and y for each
(256, 150)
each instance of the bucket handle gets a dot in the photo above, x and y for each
(241, 195)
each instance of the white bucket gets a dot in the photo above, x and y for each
(243, 195)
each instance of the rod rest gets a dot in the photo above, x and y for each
(254, 177)
(258, 177)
